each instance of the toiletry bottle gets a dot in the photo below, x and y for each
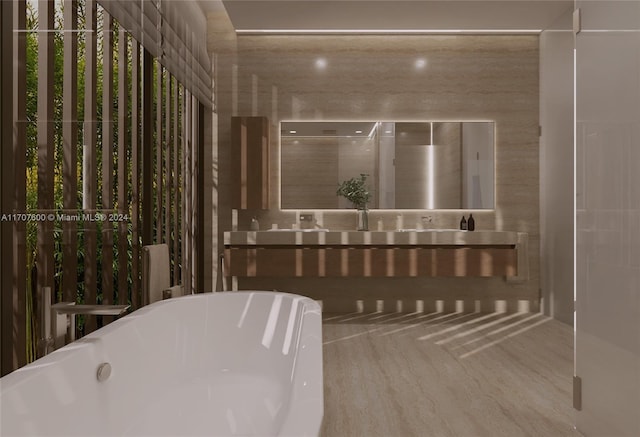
(398, 222)
(255, 226)
(463, 224)
(471, 223)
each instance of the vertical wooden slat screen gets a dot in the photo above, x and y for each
(175, 249)
(187, 216)
(176, 182)
(89, 163)
(192, 212)
(194, 193)
(158, 164)
(158, 169)
(70, 141)
(167, 160)
(107, 159)
(147, 149)
(199, 183)
(185, 190)
(192, 190)
(19, 258)
(45, 129)
(136, 300)
(6, 193)
(123, 178)
(6, 164)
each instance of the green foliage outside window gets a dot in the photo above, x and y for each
(31, 176)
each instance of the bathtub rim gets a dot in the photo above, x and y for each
(306, 405)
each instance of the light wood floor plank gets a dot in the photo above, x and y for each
(461, 375)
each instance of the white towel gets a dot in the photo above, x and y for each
(156, 271)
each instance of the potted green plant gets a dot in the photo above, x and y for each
(355, 191)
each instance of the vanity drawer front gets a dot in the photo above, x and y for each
(336, 261)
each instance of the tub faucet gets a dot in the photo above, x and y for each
(53, 335)
(46, 345)
(70, 309)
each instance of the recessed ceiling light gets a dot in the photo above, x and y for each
(293, 132)
(420, 63)
(321, 63)
(358, 131)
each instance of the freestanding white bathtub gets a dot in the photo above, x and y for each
(217, 364)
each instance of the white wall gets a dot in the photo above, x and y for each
(556, 174)
(608, 217)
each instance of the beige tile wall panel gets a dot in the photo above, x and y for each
(468, 77)
(312, 172)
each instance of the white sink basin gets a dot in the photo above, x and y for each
(299, 230)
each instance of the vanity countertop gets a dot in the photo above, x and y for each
(438, 237)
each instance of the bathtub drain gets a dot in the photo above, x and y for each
(104, 371)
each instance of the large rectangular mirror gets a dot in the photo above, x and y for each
(410, 165)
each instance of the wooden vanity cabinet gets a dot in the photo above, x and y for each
(250, 162)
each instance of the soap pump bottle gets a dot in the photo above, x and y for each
(255, 226)
(399, 222)
(471, 223)
(463, 224)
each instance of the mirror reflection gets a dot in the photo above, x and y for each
(410, 165)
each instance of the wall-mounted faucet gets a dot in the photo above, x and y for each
(306, 220)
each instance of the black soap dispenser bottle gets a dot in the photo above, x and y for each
(463, 224)
(471, 223)
(254, 226)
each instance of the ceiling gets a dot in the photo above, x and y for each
(398, 15)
